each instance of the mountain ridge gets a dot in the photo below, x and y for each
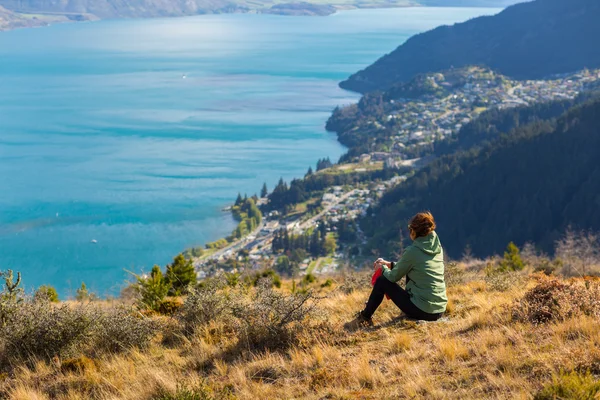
(26, 13)
(530, 40)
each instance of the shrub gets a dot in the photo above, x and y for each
(151, 290)
(170, 306)
(308, 279)
(10, 296)
(180, 275)
(273, 320)
(355, 281)
(554, 300)
(512, 259)
(570, 386)
(46, 292)
(270, 274)
(500, 279)
(454, 274)
(547, 266)
(203, 304)
(43, 330)
(119, 329)
(579, 252)
(200, 391)
(327, 283)
(83, 294)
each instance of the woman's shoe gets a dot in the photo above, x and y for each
(359, 322)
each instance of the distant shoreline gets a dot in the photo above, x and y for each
(20, 19)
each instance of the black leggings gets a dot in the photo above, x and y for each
(399, 296)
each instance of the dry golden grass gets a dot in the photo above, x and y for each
(479, 353)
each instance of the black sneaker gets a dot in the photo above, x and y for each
(359, 322)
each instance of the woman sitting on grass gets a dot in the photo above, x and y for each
(423, 265)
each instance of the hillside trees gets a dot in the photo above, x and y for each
(179, 276)
(529, 185)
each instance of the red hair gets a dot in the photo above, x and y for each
(422, 224)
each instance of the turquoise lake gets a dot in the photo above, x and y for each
(135, 133)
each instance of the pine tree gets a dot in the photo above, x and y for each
(239, 200)
(309, 172)
(264, 191)
(152, 289)
(180, 274)
(512, 259)
(83, 294)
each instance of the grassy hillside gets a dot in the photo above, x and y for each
(526, 41)
(507, 336)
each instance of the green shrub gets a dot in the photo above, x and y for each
(151, 290)
(10, 296)
(46, 292)
(547, 266)
(327, 283)
(272, 276)
(571, 386)
(83, 294)
(512, 259)
(308, 279)
(200, 391)
(180, 275)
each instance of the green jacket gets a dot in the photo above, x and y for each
(423, 264)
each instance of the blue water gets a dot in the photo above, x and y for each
(102, 138)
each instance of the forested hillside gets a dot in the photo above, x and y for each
(528, 40)
(529, 185)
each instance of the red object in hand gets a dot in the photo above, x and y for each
(376, 275)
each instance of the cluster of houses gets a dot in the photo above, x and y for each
(431, 117)
(339, 203)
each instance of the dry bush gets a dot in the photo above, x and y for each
(120, 329)
(454, 274)
(355, 280)
(579, 253)
(555, 300)
(272, 320)
(204, 304)
(500, 280)
(40, 329)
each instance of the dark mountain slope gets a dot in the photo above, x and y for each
(529, 185)
(528, 40)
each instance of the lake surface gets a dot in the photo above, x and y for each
(135, 133)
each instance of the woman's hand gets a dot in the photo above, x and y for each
(379, 262)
